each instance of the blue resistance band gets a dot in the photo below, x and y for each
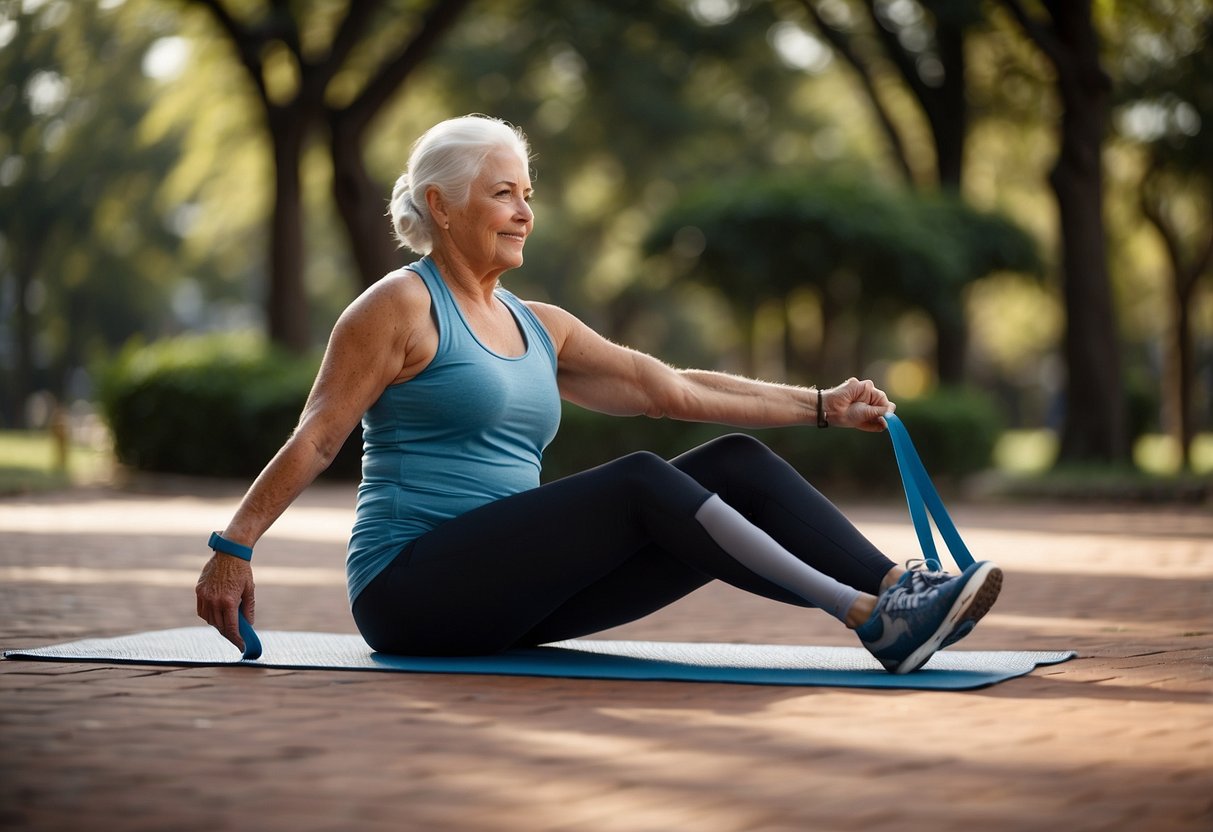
(252, 644)
(922, 498)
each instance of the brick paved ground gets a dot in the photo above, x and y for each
(1121, 738)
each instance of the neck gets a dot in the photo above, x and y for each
(461, 277)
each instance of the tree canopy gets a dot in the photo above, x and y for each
(87, 252)
(868, 251)
(156, 155)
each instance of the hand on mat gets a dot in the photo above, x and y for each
(857, 404)
(224, 588)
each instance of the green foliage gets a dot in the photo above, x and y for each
(1166, 97)
(625, 103)
(764, 238)
(85, 247)
(216, 405)
(954, 431)
(869, 253)
(222, 405)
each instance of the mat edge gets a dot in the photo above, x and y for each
(888, 682)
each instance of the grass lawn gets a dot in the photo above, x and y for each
(28, 463)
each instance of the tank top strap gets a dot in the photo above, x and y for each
(442, 304)
(537, 336)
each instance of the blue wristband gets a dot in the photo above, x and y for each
(221, 544)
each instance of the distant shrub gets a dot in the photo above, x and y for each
(222, 405)
(213, 405)
(954, 429)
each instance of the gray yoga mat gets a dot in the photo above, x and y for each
(757, 664)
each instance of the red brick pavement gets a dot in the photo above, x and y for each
(1120, 739)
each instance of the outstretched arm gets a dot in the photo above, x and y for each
(600, 375)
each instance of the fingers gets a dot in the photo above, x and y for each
(223, 618)
(248, 602)
(229, 627)
(863, 405)
(874, 421)
(224, 585)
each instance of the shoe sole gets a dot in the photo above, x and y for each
(986, 595)
(973, 602)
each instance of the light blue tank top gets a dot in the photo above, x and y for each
(468, 429)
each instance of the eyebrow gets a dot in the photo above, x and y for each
(512, 185)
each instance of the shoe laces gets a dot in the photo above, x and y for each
(909, 595)
(918, 567)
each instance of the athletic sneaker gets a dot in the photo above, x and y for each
(969, 621)
(915, 616)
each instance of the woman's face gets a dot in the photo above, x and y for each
(490, 231)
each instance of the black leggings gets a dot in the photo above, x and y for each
(602, 548)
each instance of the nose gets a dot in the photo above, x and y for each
(524, 211)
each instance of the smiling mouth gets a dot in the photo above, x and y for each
(512, 236)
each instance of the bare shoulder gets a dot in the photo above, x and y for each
(391, 318)
(560, 323)
(400, 296)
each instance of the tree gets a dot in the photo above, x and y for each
(924, 42)
(1095, 425)
(626, 103)
(270, 44)
(1167, 106)
(870, 253)
(84, 250)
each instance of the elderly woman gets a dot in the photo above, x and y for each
(458, 549)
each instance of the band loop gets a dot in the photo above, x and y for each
(922, 499)
(221, 544)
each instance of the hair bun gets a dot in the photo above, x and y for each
(407, 219)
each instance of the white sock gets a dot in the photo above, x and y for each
(762, 555)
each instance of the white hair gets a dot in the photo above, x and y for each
(448, 157)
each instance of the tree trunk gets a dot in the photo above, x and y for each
(360, 201)
(1095, 420)
(362, 207)
(1095, 423)
(1180, 374)
(25, 261)
(948, 114)
(23, 343)
(951, 337)
(1095, 426)
(1185, 372)
(286, 298)
(947, 109)
(837, 358)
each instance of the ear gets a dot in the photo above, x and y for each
(437, 206)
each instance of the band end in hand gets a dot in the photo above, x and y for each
(252, 644)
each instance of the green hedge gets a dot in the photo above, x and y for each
(214, 405)
(223, 405)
